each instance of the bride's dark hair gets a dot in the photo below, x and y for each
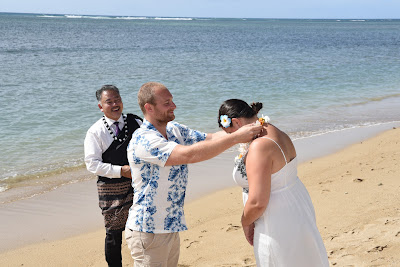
(236, 108)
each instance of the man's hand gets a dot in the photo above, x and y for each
(126, 171)
(247, 133)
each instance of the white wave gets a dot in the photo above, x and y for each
(49, 16)
(357, 20)
(86, 17)
(3, 188)
(96, 17)
(103, 17)
(73, 16)
(160, 18)
(131, 18)
(303, 135)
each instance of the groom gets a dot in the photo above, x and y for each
(158, 153)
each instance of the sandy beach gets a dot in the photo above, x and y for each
(355, 195)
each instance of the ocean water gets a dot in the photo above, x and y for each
(313, 77)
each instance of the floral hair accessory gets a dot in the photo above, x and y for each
(263, 119)
(225, 121)
(244, 147)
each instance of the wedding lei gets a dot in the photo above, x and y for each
(244, 147)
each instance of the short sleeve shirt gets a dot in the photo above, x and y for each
(159, 190)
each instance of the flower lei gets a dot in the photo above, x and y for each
(244, 147)
(263, 119)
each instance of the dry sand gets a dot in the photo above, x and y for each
(356, 197)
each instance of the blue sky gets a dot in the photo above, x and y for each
(212, 8)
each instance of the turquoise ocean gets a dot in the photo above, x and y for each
(313, 77)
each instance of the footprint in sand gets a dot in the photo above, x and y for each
(326, 182)
(191, 243)
(232, 227)
(248, 262)
(333, 236)
(377, 249)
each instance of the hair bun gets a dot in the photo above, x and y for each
(256, 106)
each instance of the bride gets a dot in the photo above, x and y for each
(278, 217)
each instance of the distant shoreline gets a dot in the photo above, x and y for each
(195, 18)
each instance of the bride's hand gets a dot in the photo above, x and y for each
(249, 233)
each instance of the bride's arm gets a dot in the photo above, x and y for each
(258, 168)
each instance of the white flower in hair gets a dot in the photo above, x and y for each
(225, 121)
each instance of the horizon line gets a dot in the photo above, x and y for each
(152, 16)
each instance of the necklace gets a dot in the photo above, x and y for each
(125, 129)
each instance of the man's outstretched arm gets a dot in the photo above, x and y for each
(214, 145)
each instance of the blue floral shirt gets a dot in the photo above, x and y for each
(159, 190)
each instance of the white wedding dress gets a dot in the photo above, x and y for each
(286, 234)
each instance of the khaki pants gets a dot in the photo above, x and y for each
(153, 250)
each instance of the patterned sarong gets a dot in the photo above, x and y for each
(115, 199)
